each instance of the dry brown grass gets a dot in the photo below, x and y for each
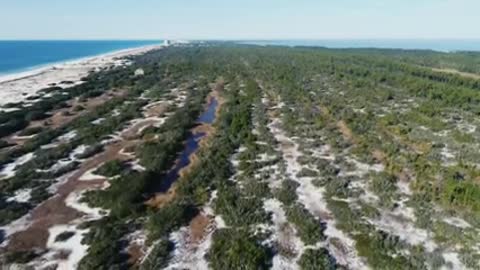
(54, 211)
(346, 131)
(199, 227)
(162, 199)
(157, 109)
(135, 254)
(379, 155)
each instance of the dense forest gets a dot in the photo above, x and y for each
(316, 159)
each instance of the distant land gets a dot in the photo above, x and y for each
(442, 45)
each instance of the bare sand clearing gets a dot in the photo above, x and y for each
(457, 72)
(17, 87)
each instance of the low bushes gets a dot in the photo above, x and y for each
(316, 259)
(111, 168)
(309, 229)
(237, 209)
(237, 249)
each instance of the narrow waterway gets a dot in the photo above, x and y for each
(191, 146)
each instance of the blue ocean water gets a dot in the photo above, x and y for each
(441, 45)
(18, 56)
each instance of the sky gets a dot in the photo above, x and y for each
(235, 19)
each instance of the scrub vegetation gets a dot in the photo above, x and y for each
(316, 159)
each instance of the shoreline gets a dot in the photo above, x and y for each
(17, 87)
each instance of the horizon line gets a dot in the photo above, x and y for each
(239, 39)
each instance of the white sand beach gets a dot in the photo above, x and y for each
(18, 87)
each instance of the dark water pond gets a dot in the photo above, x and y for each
(208, 116)
(191, 145)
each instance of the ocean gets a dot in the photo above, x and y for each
(441, 45)
(18, 56)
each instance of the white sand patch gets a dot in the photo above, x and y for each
(112, 138)
(138, 237)
(364, 168)
(467, 128)
(9, 109)
(58, 165)
(362, 110)
(264, 157)
(405, 230)
(324, 152)
(261, 143)
(402, 210)
(17, 87)
(404, 188)
(447, 153)
(157, 122)
(453, 262)
(188, 255)
(219, 222)
(149, 251)
(457, 222)
(67, 137)
(73, 201)
(50, 145)
(135, 165)
(125, 153)
(72, 246)
(9, 169)
(16, 137)
(106, 185)
(59, 182)
(98, 121)
(72, 157)
(116, 112)
(21, 196)
(208, 210)
(153, 104)
(366, 194)
(235, 161)
(78, 151)
(90, 176)
(312, 197)
(284, 235)
(18, 225)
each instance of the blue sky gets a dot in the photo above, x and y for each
(235, 19)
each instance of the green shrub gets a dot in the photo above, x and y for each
(31, 131)
(64, 236)
(237, 209)
(317, 259)
(309, 229)
(287, 194)
(237, 249)
(111, 168)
